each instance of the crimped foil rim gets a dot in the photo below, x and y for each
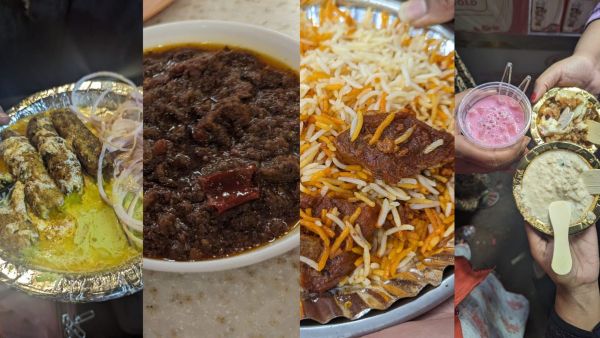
(103, 285)
(589, 157)
(354, 302)
(333, 304)
(535, 133)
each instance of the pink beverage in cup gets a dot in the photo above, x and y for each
(496, 120)
(494, 115)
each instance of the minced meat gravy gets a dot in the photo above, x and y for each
(221, 166)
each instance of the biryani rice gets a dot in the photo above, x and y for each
(349, 69)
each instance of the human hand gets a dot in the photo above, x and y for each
(584, 249)
(577, 293)
(574, 71)
(435, 323)
(421, 13)
(472, 159)
(582, 69)
(4, 119)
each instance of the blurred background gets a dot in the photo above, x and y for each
(532, 34)
(50, 43)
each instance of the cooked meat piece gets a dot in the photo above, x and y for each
(83, 142)
(38, 128)
(6, 180)
(284, 168)
(61, 162)
(24, 162)
(8, 133)
(392, 162)
(16, 229)
(337, 268)
(368, 215)
(310, 247)
(307, 201)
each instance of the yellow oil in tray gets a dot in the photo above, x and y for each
(96, 241)
(83, 236)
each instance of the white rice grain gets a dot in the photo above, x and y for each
(385, 209)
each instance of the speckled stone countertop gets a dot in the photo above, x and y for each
(256, 301)
(280, 15)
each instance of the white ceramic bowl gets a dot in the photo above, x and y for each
(276, 45)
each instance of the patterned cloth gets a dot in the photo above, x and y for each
(462, 78)
(484, 309)
(492, 312)
(595, 14)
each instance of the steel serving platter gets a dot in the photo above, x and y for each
(358, 311)
(401, 311)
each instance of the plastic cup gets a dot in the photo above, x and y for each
(472, 103)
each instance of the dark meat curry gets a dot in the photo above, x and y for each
(221, 167)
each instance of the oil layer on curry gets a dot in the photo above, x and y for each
(220, 151)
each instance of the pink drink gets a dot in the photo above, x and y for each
(496, 120)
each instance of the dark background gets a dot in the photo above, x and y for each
(486, 54)
(47, 43)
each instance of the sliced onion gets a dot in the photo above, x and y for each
(120, 130)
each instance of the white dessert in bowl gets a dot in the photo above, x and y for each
(552, 172)
(555, 176)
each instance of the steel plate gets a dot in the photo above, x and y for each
(401, 312)
(420, 298)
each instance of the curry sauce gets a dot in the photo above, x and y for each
(221, 152)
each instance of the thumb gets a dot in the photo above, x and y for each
(512, 153)
(422, 13)
(537, 244)
(549, 78)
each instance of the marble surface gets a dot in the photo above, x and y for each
(280, 15)
(256, 301)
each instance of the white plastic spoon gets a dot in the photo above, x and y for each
(560, 217)
(591, 180)
(593, 131)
